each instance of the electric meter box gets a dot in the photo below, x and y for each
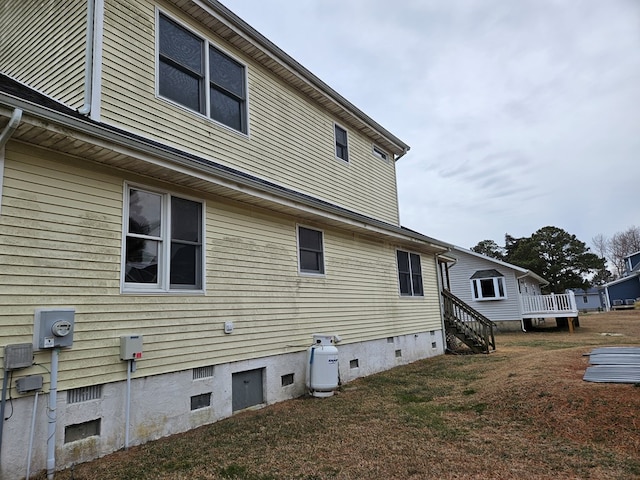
(130, 347)
(53, 327)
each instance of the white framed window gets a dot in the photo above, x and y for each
(488, 285)
(163, 242)
(310, 251)
(197, 75)
(342, 143)
(380, 153)
(409, 274)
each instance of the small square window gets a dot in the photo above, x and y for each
(310, 250)
(342, 148)
(381, 154)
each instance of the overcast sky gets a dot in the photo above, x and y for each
(520, 114)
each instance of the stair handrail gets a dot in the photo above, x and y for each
(475, 325)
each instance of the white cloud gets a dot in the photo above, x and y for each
(519, 114)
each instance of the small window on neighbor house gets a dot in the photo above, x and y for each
(409, 274)
(342, 149)
(488, 285)
(585, 299)
(381, 154)
(310, 250)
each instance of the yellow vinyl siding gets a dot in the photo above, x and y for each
(60, 245)
(290, 140)
(42, 45)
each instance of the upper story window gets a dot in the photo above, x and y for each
(163, 242)
(488, 285)
(409, 274)
(342, 148)
(310, 250)
(200, 77)
(381, 154)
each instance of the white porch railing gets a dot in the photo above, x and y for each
(554, 305)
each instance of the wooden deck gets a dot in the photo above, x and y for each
(556, 305)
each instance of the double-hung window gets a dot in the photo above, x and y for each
(342, 149)
(409, 274)
(488, 285)
(200, 77)
(163, 242)
(310, 251)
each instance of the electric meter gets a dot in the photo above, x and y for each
(53, 327)
(61, 328)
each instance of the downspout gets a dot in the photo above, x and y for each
(404, 152)
(14, 121)
(88, 60)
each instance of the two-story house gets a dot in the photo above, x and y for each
(182, 206)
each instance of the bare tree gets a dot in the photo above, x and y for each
(618, 247)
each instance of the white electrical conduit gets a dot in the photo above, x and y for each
(33, 427)
(88, 60)
(127, 411)
(52, 416)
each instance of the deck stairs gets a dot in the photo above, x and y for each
(468, 325)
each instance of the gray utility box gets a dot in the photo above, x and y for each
(53, 327)
(130, 347)
(30, 383)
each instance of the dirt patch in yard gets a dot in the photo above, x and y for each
(520, 412)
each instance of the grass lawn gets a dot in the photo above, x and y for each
(522, 412)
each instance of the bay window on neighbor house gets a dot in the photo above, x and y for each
(310, 251)
(163, 242)
(200, 77)
(488, 285)
(409, 274)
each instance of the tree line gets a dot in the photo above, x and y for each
(563, 260)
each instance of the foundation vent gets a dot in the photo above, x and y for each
(84, 394)
(203, 372)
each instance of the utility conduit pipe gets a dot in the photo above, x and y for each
(88, 60)
(52, 415)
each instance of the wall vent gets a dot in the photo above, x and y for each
(398, 353)
(73, 433)
(203, 372)
(354, 363)
(201, 401)
(389, 339)
(84, 394)
(287, 379)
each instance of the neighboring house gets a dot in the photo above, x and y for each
(588, 300)
(508, 295)
(625, 291)
(178, 216)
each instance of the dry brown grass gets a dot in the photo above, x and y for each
(521, 412)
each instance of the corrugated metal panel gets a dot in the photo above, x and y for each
(616, 350)
(613, 374)
(614, 365)
(614, 359)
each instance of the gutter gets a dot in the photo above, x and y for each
(226, 176)
(14, 121)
